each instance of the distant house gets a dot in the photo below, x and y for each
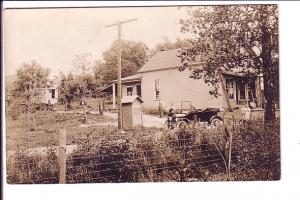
(46, 95)
(160, 80)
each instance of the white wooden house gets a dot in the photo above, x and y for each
(47, 95)
(160, 80)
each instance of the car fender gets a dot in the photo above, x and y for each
(183, 119)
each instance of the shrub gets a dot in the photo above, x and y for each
(152, 154)
(27, 168)
(14, 111)
(256, 151)
(142, 155)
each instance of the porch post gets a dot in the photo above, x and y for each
(225, 93)
(114, 95)
(247, 92)
(259, 96)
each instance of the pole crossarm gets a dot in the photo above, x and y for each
(121, 22)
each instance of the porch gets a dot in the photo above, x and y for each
(241, 90)
(131, 85)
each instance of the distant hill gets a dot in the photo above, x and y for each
(9, 81)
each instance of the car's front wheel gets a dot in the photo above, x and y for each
(182, 125)
(216, 121)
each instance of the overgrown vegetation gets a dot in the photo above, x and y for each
(32, 168)
(152, 154)
(256, 152)
(143, 155)
(47, 124)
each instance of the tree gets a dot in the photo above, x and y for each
(83, 67)
(235, 37)
(67, 88)
(168, 45)
(30, 76)
(134, 55)
(100, 76)
(79, 83)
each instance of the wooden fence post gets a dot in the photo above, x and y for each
(101, 107)
(62, 156)
(229, 150)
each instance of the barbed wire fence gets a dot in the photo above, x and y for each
(32, 158)
(101, 155)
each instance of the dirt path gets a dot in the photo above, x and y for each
(148, 120)
(44, 150)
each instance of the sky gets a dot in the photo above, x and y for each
(53, 36)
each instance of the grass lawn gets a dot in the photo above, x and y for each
(91, 103)
(21, 133)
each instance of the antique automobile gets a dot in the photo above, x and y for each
(181, 120)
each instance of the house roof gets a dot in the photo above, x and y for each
(133, 78)
(136, 77)
(130, 99)
(169, 59)
(107, 89)
(237, 73)
(162, 60)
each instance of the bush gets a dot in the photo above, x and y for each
(256, 151)
(27, 168)
(143, 155)
(14, 111)
(152, 154)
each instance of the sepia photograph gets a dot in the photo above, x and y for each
(142, 94)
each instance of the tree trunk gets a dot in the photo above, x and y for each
(269, 74)
(270, 108)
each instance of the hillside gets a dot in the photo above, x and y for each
(9, 81)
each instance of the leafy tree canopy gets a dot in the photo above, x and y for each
(30, 76)
(240, 38)
(134, 56)
(168, 45)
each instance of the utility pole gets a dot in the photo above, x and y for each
(119, 24)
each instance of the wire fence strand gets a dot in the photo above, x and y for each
(101, 155)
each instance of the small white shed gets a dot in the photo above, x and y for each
(132, 111)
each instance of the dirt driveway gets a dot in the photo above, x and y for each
(148, 120)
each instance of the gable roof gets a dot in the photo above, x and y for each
(162, 60)
(130, 99)
(135, 77)
(169, 59)
(128, 79)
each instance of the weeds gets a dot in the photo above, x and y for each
(198, 153)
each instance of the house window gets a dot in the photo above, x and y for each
(229, 88)
(139, 90)
(242, 89)
(129, 91)
(53, 94)
(156, 89)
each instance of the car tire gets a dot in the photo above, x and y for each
(215, 121)
(182, 125)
